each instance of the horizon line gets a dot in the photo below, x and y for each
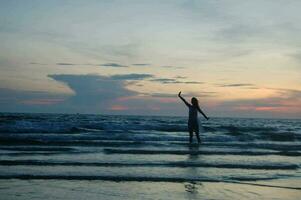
(159, 115)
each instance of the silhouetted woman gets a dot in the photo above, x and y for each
(193, 125)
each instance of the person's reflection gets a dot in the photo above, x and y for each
(193, 153)
(192, 187)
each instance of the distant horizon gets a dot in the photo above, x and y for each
(133, 57)
(145, 115)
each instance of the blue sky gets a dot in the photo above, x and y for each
(240, 58)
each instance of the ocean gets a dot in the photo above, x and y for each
(79, 156)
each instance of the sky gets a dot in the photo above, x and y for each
(239, 58)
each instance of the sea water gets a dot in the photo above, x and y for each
(127, 151)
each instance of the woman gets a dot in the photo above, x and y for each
(193, 125)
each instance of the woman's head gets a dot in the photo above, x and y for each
(194, 101)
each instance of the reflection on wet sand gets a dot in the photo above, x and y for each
(192, 187)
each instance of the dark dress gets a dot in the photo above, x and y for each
(193, 124)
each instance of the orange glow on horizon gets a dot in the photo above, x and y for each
(118, 107)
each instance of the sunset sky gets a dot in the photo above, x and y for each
(240, 58)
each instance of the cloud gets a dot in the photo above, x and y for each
(108, 94)
(131, 76)
(36, 63)
(113, 65)
(141, 64)
(286, 103)
(88, 64)
(22, 96)
(12, 100)
(105, 64)
(236, 85)
(180, 77)
(175, 95)
(193, 82)
(66, 64)
(43, 101)
(170, 66)
(174, 81)
(165, 80)
(93, 93)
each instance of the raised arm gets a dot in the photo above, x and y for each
(199, 109)
(186, 103)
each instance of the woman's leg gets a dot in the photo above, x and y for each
(190, 130)
(190, 136)
(197, 133)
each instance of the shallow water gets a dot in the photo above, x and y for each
(83, 150)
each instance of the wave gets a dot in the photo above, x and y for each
(286, 148)
(274, 166)
(82, 143)
(242, 129)
(37, 148)
(150, 179)
(138, 128)
(127, 178)
(279, 146)
(33, 127)
(141, 137)
(200, 152)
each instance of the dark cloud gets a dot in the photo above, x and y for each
(170, 66)
(236, 85)
(12, 100)
(180, 77)
(106, 94)
(92, 92)
(105, 65)
(113, 65)
(76, 64)
(131, 76)
(175, 95)
(36, 63)
(165, 80)
(66, 64)
(174, 81)
(193, 82)
(141, 64)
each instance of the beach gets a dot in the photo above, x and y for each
(73, 156)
